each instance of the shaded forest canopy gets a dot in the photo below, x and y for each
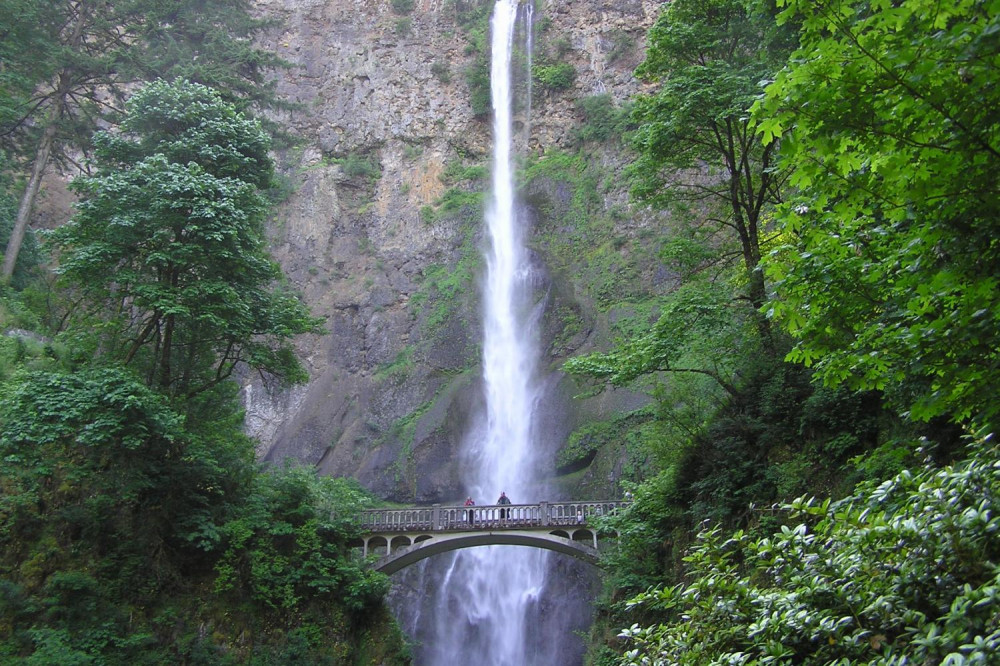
(821, 377)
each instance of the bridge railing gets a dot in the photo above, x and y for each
(438, 518)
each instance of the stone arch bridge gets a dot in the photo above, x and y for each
(405, 536)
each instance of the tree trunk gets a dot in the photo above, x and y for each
(44, 147)
(30, 192)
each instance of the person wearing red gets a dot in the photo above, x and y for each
(469, 502)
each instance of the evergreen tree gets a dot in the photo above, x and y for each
(71, 59)
(167, 245)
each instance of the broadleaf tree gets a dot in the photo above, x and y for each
(697, 145)
(889, 117)
(167, 244)
(698, 151)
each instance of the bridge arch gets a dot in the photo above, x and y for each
(425, 546)
(412, 534)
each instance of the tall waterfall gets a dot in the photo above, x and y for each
(489, 601)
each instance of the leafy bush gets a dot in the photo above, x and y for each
(602, 119)
(289, 548)
(115, 519)
(559, 76)
(456, 172)
(902, 572)
(362, 167)
(477, 76)
(452, 203)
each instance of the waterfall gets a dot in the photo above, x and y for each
(502, 605)
(489, 605)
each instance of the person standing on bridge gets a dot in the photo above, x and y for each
(504, 501)
(469, 502)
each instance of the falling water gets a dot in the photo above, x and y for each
(488, 602)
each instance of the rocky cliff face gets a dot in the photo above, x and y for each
(382, 233)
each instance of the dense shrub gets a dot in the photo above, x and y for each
(558, 76)
(902, 572)
(118, 521)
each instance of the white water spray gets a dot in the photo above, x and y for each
(489, 608)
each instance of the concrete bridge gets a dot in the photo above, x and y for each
(405, 536)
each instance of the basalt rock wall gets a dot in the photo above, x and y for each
(380, 228)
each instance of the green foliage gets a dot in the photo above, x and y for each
(569, 172)
(888, 271)
(471, 14)
(477, 76)
(707, 60)
(443, 288)
(67, 71)
(696, 333)
(172, 224)
(399, 368)
(463, 200)
(102, 493)
(28, 52)
(901, 572)
(213, 43)
(557, 76)
(117, 520)
(603, 120)
(289, 548)
(587, 441)
(583, 444)
(457, 172)
(455, 201)
(359, 167)
(404, 26)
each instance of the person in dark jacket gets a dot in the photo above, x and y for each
(504, 501)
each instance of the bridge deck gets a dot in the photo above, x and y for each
(405, 536)
(438, 518)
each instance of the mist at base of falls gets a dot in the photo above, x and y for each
(556, 615)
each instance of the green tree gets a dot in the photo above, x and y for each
(211, 42)
(167, 244)
(100, 462)
(25, 51)
(126, 529)
(707, 59)
(66, 65)
(289, 546)
(888, 275)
